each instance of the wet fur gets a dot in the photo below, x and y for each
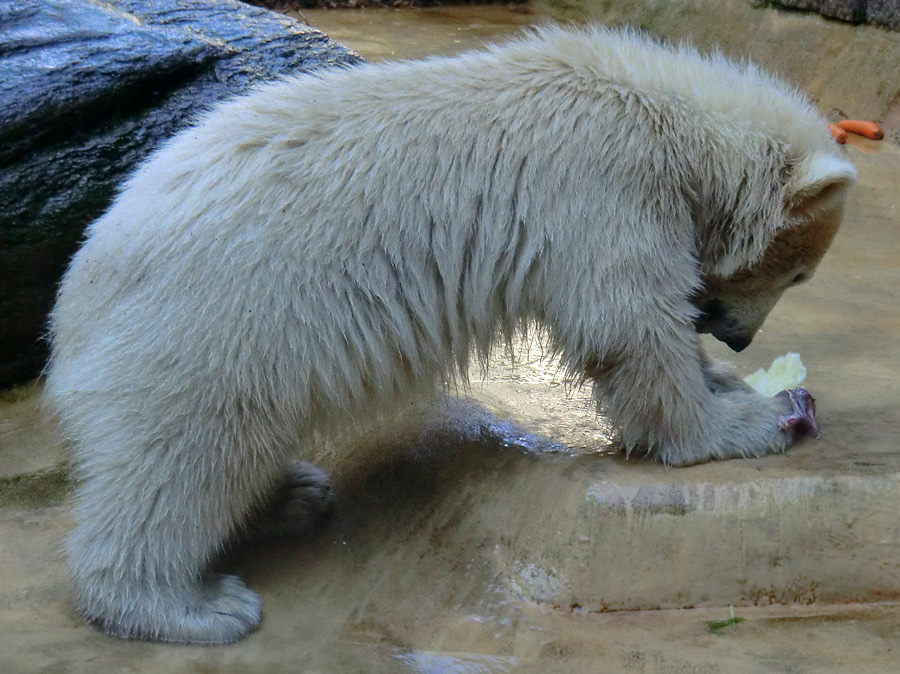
(335, 243)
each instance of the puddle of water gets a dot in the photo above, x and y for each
(433, 662)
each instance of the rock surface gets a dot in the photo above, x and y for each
(88, 90)
(880, 12)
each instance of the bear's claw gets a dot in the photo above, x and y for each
(803, 414)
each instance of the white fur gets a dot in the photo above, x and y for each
(337, 242)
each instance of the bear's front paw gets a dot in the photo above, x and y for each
(740, 424)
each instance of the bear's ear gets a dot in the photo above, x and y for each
(819, 176)
(817, 190)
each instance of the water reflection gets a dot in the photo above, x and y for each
(526, 384)
(433, 662)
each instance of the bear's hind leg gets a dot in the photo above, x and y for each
(153, 513)
(297, 504)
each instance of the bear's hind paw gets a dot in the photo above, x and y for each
(296, 507)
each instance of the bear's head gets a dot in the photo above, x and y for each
(732, 307)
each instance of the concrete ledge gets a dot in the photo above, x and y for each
(588, 534)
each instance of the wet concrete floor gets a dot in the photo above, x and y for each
(390, 34)
(491, 551)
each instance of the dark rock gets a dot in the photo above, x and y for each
(845, 10)
(880, 12)
(88, 89)
(884, 13)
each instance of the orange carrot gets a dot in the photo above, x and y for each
(867, 129)
(838, 133)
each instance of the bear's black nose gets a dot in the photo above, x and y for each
(738, 343)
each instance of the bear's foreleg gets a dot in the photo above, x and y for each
(721, 376)
(670, 401)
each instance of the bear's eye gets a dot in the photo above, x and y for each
(799, 278)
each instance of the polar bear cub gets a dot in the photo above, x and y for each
(336, 242)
